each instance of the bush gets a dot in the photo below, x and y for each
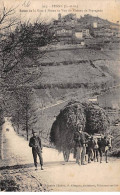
(9, 186)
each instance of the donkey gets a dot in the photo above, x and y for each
(104, 145)
(66, 154)
(92, 149)
(95, 149)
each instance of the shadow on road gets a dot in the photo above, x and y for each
(16, 166)
(46, 164)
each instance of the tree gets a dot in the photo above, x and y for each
(1, 136)
(24, 43)
(23, 97)
(19, 52)
(6, 22)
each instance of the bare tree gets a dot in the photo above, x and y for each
(1, 136)
(19, 52)
(23, 110)
(7, 20)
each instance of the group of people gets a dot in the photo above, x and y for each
(83, 144)
(90, 145)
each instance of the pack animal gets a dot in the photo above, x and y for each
(92, 149)
(104, 145)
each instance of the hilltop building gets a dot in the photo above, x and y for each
(72, 30)
(68, 30)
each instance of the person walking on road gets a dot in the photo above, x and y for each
(80, 148)
(35, 143)
(77, 147)
(83, 137)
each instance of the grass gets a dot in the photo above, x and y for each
(72, 74)
(70, 68)
(55, 57)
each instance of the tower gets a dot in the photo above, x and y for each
(59, 16)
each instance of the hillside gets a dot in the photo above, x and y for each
(89, 19)
(70, 74)
(71, 68)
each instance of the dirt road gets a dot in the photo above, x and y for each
(57, 175)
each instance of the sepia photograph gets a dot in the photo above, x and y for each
(59, 96)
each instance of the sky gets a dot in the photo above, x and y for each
(49, 9)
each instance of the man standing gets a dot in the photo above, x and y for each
(35, 143)
(77, 146)
(80, 148)
(83, 137)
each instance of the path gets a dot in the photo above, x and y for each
(57, 175)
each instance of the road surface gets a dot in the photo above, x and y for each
(57, 175)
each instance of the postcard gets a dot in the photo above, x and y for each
(60, 96)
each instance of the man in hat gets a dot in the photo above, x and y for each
(83, 139)
(80, 147)
(35, 143)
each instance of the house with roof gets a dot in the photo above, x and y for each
(68, 30)
(64, 34)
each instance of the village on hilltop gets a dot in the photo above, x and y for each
(85, 31)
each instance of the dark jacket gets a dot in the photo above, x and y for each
(79, 139)
(35, 142)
